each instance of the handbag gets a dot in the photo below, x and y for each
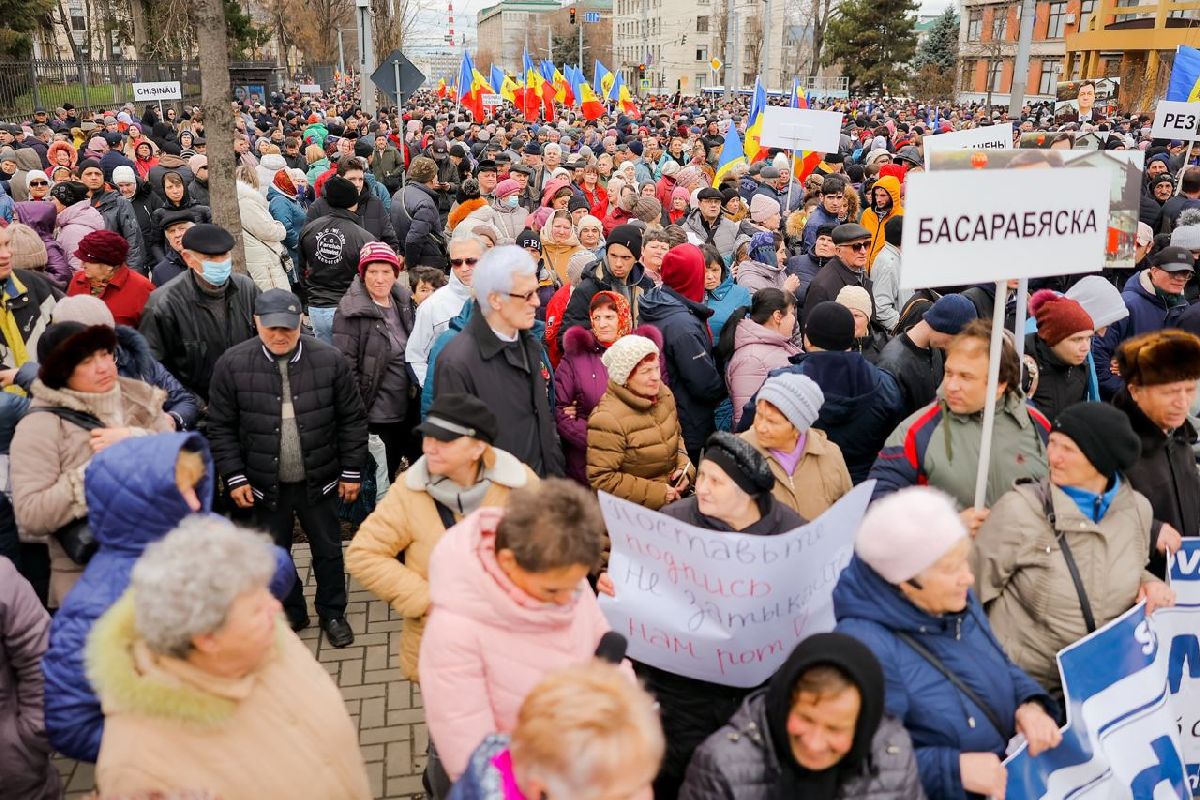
(285, 260)
(76, 537)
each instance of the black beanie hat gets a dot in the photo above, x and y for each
(830, 326)
(629, 236)
(362, 147)
(1103, 434)
(64, 344)
(68, 192)
(744, 465)
(340, 193)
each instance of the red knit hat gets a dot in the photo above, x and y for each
(103, 247)
(375, 253)
(683, 270)
(1058, 317)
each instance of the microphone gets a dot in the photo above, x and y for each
(611, 649)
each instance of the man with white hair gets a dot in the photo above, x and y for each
(499, 358)
(436, 311)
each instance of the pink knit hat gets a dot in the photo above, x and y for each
(376, 252)
(905, 533)
(506, 187)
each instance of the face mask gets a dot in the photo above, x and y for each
(216, 272)
(511, 201)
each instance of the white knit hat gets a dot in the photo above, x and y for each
(855, 298)
(905, 533)
(1100, 299)
(34, 175)
(762, 208)
(123, 174)
(798, 398)
(625, 354)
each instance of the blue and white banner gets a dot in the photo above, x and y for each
(1133, 696)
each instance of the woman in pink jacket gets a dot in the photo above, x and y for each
(755, 340)
(510, 603)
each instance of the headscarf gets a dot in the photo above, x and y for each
(620, 305)
(860, 666)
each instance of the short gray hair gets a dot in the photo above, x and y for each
(494, 272)
(184, 584)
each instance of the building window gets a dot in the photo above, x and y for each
(702, 24)
(995, 73)
(967, 76)
(702, 53)
(975, 25)
(701, 79)
(999, 23)
(1057, 20)
(78, 17)
(1049, 76)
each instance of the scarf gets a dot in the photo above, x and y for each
(620, 305)
(10, 329)
(860, 666)
(454, 497)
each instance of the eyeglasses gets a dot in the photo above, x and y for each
(39, 183)
(525, 298)
(458, 262)
(857, 247)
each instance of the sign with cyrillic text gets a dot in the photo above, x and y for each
(802, 129)
(310, 88)
(1176, 120)
(161, 90)
(1133, 697)
(978, 226)
(987, 137)
(723, 607)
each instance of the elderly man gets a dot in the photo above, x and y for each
(174, 225)
(197, 316)
(287, 427)
(851, 243)
(707, 225)
(435, 312)
(200, 681)
(499, 358)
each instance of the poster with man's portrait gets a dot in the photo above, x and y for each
(1084, 101)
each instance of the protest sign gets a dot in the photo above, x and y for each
(310, 88)
(991, 225)
(988, 137)
(490, 100)
(802, 129)
(723, 607)
(1175, 120)
(161, 90)
(1133, 697)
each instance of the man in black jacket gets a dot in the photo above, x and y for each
(373, 217)
(287, 427)
(195, 317)
(851, 242)
(498, 359)
(329, 247)
(415, 217)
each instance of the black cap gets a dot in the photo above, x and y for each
(486, 165)
(363, 147)
(524, 169)
(834, 158)
(457, 414)
(529, 238)
(1174, 259)
(576, 203)
(709, 193)
(850, 232)
(439, 146)
(458, 150)
(532, 149)
(628, 236)
(175, 217)
(209, 240)
(340, 193)
(278, 308)
(1103, 434)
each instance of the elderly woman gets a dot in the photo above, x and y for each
(586, 733)
(810, 473)
(733, 493)
(591, 234)
(1084, 515)
(559, 244)
(199, 677)
(458, 473)
(635, 448)
(754, 341)
(510, 603)
(371, 327)
(80, 406)
(105, 275)
(816, 730)
(907, 596)
(503, 211)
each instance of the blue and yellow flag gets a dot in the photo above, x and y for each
(1185, 76)
(731, 153)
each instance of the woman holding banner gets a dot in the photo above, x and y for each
(907, 596)
(1060, 557)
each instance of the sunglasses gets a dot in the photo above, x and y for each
(857, 246)
(458, 262)
(38, 183)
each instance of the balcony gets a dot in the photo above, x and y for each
(1150, 27)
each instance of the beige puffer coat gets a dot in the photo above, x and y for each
(820, 479)
(634, 445)
(1021, 576)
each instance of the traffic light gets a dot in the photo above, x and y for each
(572, 13)
(641, 70)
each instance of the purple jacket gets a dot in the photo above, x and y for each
(580, 380)
(756, 352)
(41, 216)
(75, 222)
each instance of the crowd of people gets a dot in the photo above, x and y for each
(449, 336)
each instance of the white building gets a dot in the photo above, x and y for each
(507, 27)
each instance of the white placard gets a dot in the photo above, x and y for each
(1176, 120)
(723, 607)
(490, 99)
(162, 90)
(310, 88)
(979, 226)
(987, 137)
(802, 129)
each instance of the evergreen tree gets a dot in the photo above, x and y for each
(940, 48)
(874, 41)
(20, 21)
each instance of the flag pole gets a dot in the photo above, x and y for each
(791, 182)
(1186, 158)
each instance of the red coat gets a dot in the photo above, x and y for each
(125, 295)
(598, 202)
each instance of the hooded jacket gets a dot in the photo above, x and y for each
(918, 370)
(508, 221)
(75, 222)
(1059, 384)
(487, 643)
(941, 720)
(1148, 311)
(757, 351)
(287, 211)
(755, 275)
(724, 300)
(41, 217)
(372, 214)
(874, 223)
(169, 162)
(263, 240)
(418, 227)
(118, 216)
(361, 334)
(687, 350)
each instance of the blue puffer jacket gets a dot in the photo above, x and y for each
(942, 722)
(1147, 312)
(724, 300)
(133, 501)
(288, 211)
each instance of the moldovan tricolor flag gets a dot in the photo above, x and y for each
(470, 95)
(590, 104)
(562, 90)
(754, 149)
(603, 80)
(624, 99)
(803, 161)
(1185, 76)
(731, 153)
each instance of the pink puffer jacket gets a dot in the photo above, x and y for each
(487, 643)
(756, 351)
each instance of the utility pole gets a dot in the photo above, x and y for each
(579, 22)
(341, 54)
(1016, 96)
(730, 22)
(366, 47)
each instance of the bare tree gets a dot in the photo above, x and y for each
(818, 14)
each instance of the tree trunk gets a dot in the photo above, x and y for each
(209, 18)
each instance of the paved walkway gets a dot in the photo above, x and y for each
(385, 707)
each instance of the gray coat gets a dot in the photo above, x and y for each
(739, 761)
(722, 237)
(120, 217)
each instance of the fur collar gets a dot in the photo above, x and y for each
(507, 471)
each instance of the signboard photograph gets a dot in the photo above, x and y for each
(1124, 168)
(1083, 101)
(986, 137)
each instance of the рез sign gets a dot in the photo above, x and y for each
(1176, 120)
(161, 90)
